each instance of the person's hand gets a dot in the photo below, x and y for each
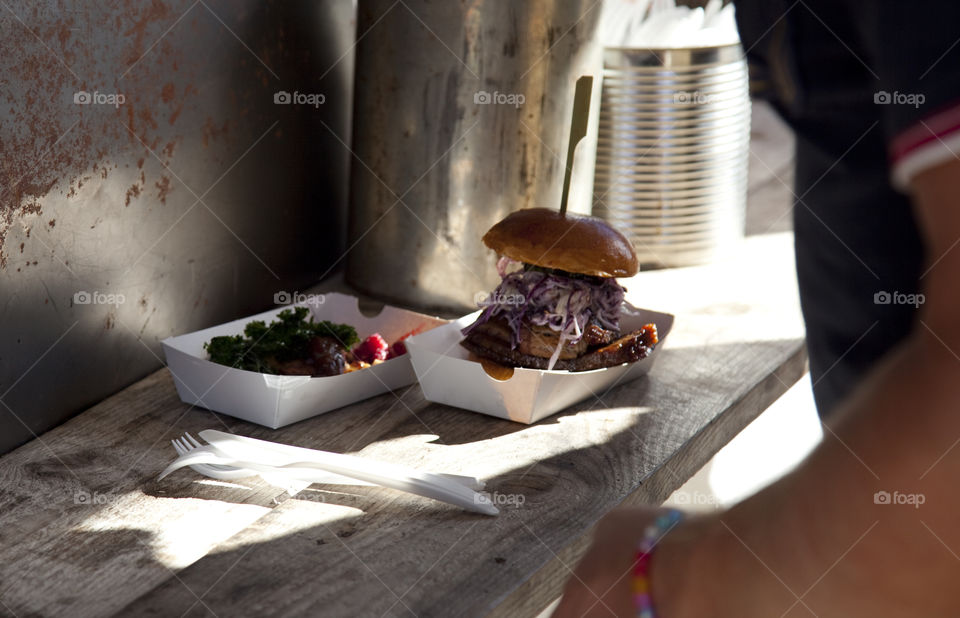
(601, 583)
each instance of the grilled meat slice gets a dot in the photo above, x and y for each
(596, 335)
(542, 340)
(295, 367)
(327, 358)
(626, 349)
(495, 329)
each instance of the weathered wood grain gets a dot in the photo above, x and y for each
(187, 546)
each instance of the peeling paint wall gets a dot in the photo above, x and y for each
(152, 181)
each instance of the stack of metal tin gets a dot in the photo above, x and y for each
(672, 151)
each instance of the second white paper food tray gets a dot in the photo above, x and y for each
(278, 400)
(448, 376)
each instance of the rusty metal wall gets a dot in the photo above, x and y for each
(164, 165)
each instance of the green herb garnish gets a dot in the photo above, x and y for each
(286, 338)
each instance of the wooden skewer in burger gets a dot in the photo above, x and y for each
(558, 303)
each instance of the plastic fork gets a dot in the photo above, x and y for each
(214, 471)
(189, 444)
(238, 452)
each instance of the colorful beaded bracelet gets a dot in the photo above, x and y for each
(642, 598)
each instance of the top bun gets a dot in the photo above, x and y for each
(574, 243)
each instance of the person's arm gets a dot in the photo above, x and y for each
(818, 533)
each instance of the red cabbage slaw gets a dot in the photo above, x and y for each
(565, 304)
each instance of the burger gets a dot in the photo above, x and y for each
(558, 304)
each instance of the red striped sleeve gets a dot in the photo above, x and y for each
(928, 142)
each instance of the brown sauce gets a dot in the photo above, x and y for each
(494, 370)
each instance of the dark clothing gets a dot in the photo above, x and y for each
(826, 65)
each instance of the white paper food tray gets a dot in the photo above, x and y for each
(276, 400)
(448, 376)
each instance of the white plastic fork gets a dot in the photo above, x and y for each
(214, 471)
(189, 444)
(260, 456)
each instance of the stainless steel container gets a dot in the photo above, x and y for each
(672, 151)
(461, 116)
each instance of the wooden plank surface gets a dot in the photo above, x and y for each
(86, 530)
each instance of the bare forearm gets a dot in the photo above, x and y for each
(818, 537)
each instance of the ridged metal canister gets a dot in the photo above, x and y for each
(672, 150)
